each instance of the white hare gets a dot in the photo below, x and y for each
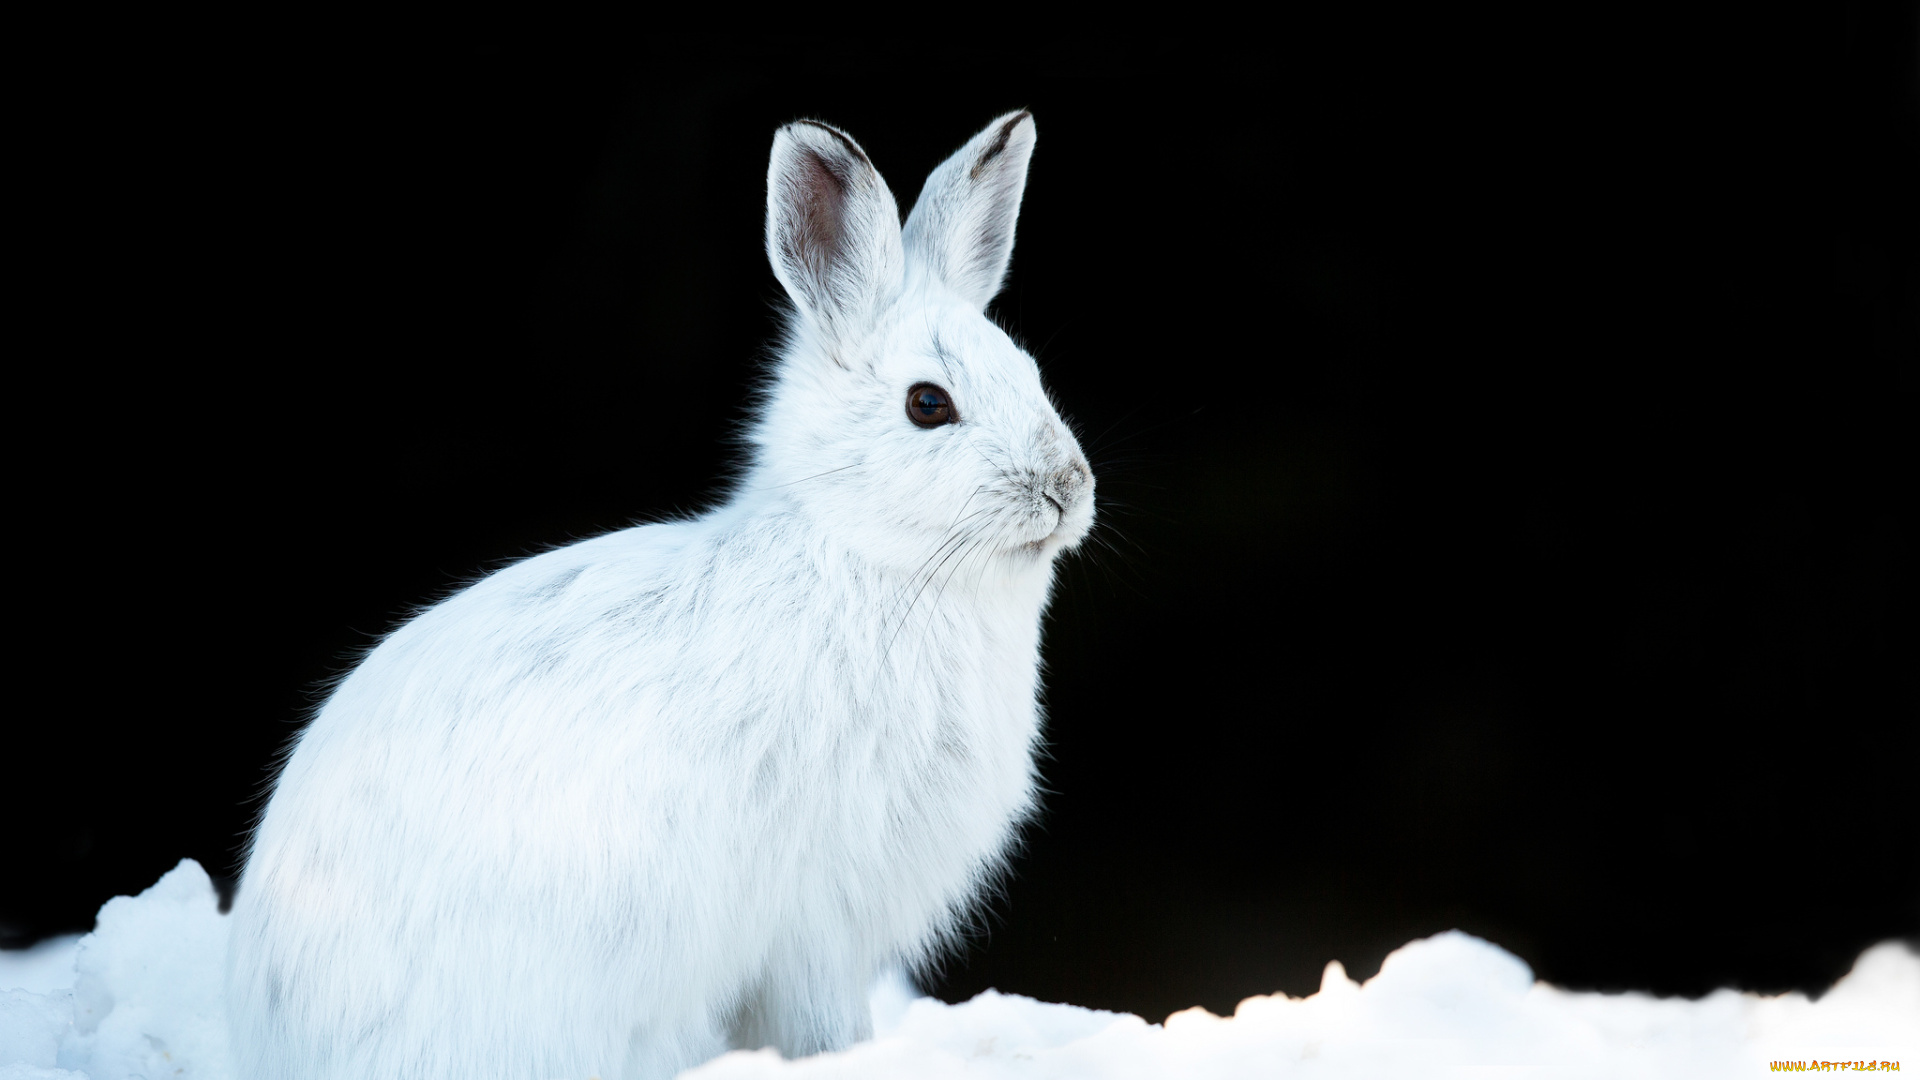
(690, 786)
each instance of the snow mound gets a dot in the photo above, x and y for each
(1447, 1006)
(140, 997)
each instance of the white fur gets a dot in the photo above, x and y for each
(690, 786)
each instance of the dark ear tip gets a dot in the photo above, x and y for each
(808, 134)
(1002, 134)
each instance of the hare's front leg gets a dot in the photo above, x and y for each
(803, 1006)
(663, 1050)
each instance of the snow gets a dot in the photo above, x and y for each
(141, 994)
(42, 969)
(140, 997)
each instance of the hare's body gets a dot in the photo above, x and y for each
(688, 786)
(801, 856)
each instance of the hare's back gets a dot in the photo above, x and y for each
(484, 801)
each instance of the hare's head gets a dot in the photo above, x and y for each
(899, 416)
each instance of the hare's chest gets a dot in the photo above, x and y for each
(937, 756)
(871, 740)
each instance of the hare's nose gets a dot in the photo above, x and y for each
(1066, 484)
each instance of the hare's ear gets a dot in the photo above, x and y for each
(961, 229)
(833, 229)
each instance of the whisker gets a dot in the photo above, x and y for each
(964, 505)
(976, 531)
(1100, 536)
(980, 543)
(815, 476)
(1097, 444)
(1005, 471)
(949, 540)
(1147, 430)
(976, 545)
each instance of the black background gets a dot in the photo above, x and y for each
(1502, 427)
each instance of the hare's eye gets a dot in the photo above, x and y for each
(929, 406)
